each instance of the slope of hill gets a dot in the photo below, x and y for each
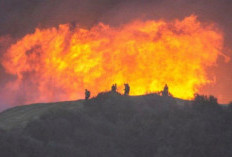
(119, 126)
(18, 117)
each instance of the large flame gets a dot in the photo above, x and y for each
(59, 63)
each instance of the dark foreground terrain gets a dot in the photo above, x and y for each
(112, 125)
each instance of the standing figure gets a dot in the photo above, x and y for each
(114, 87)
(165, 91)
(126, 89)
(87, 94)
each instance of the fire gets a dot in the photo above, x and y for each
(59, 63)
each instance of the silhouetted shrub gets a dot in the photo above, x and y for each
(230, 106)
(203, 102)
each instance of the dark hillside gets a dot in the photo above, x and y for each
(123, 126)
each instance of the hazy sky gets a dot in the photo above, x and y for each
(19, 17)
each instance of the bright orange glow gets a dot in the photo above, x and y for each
(59, 63)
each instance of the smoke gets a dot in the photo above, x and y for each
(18, 18)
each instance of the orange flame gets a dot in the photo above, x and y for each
(59, 63)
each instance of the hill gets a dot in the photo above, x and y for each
(115, 125)
(20, 116)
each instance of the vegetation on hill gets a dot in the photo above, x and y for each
(122, 126)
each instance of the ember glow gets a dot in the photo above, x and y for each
(59, 63)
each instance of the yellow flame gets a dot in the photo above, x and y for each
(62, 62)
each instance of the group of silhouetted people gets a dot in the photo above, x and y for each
(113, 89)
(126, 88)
(165, 91)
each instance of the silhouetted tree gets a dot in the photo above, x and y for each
(126, 89)
(87, 94)
(114, 87)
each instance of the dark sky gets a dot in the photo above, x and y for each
(19, 17)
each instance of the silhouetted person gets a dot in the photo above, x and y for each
(126, 89)
(165, 91)
(87, 94)
(114, 88)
